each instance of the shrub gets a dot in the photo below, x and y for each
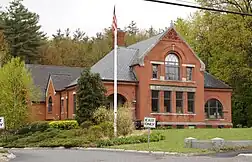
(95, 132)
(64, 124)
(103, 114)
(86, 124)
(125, 121)
(34, 127)
(107, 128)
(154, 137)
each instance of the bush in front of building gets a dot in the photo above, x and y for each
(64, 124)
(86, 124)
(90, 95)
(34, 127)
(108, 129)
(154, 137)
(125, 124)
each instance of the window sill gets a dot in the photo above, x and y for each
(215, 119)
(173, 114)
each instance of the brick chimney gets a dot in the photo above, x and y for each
(120, 37)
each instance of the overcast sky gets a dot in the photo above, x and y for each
(93, 16)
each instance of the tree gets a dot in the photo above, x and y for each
(132, 28)
(21, 31)
(90, 95)
(17, 90)
(223, 41)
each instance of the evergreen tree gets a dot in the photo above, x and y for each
(21, 32)
(90, 95)
(132, 28)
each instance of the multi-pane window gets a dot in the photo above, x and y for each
(179, 102)
(74, 103)
(154, 71)
(167, 101)
(62, 105)
(189, 73)
(172, 67)
(213, 109)
(154, 101)
(190, 102)
(50, 104)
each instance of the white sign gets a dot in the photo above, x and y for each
(1, 122)
(149, 122)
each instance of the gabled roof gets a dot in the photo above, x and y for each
(40, 75)
(60, 81)
(134, 55)
(146, 46)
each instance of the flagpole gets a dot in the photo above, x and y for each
(115, 82)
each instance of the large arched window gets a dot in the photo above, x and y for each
(172, 67)
(50, 104)
(213, 109)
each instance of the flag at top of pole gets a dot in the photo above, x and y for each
(114, 29)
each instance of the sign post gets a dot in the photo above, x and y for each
(149, 123)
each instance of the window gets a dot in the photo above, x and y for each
(179, 102)
(50, 104)
(62, 105)
(167, 101)
(190, 100)
(189, 73)
(171, 67)
(213, 109)
(155, 101)
(154, 71)
(74, 103)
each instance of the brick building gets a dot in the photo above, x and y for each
(160, 77)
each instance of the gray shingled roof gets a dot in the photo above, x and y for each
(40, 74)
(133, 55)
(211, 82)
(60, 81)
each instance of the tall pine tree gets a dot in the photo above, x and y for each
(90, 95)
(21, 31)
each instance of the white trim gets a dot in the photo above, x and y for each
(74, 93)
(62, 98)
(188, 65)
(157, 62)
(173, 114)
(66, 97)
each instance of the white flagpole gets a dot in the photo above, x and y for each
(115, 82)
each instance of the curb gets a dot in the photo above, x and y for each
(247, 155)
(162, 153)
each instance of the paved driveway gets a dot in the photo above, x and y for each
(58, 155)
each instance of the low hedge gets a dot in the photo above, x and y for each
(64, 124)
(34, 127)
(154, 137)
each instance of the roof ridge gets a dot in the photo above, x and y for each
(63, 66)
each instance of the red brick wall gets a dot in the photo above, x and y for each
(144, 75)
(224, 96)
(38, 111)
(55, 114)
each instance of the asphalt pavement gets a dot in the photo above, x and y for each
(63, 155)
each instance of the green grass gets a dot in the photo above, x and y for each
(174, 139)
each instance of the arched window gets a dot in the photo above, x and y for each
(213, 109)
(172, 67)
(50, 104)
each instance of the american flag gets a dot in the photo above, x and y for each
(114, 25)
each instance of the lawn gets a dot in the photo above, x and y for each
(174, 139)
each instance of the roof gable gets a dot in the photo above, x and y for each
(40, 74)
(146, 46)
